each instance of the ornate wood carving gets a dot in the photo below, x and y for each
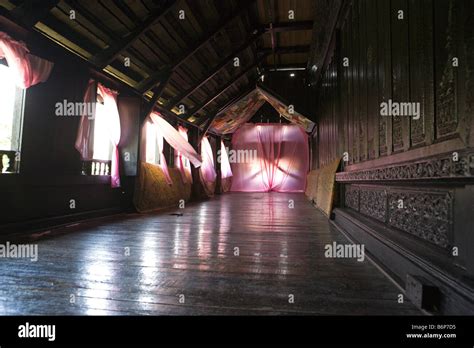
(373, 203)
(438, 167)
(426, 214)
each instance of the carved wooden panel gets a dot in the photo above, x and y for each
(363, 56)
(436, 167)
(421, 70)
(400, 68)
(446, 110)
(351, 198)
(424, 213)
(384, 74)
(354, 61)
(427, 215)
(373, 203)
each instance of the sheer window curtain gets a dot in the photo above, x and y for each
(182, 163)
(83, 143)
(176, 140)
(226, 171)
(28, 69)
(207, 171)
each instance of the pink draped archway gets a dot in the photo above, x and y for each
(269, 157)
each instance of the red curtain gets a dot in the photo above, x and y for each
(28, 69)
(269, 157)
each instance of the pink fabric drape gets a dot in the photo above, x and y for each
(83, 145)
(207, 170)
(113, 119)
(28, 69)
(226, 171)
(270, 157)
(163, 164)
(182, 163)
(176, 140)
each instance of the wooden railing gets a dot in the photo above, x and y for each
(96, 167)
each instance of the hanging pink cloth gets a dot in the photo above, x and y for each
(160, 146)
(226, 171)
(28, 69)
(83, 145)
(113, 119)
(176, 140)
(182, 163)
(269, 157)
(207, 171)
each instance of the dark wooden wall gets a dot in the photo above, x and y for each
(393, 158)
(50, 167)
(403, 60)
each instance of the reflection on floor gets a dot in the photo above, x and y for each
(236, 254)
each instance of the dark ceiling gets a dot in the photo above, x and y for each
(175, 61)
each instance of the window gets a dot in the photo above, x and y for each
(11, 115)
(102, 146)
(152, 144)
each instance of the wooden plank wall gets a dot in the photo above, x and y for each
(392, 58)
(418, 51)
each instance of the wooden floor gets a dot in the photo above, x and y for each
(281, 253)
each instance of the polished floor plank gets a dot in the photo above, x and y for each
(281, 253)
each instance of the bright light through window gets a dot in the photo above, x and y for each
(102, 144)
(9, 131)
(152, 155)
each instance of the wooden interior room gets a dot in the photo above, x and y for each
(236, 157)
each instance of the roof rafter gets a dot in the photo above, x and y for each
(33, 11)
(107, 56)
(153, 79)
(248, 43)
(223, 89)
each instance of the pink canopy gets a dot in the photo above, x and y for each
(269, 157)
(28, 69)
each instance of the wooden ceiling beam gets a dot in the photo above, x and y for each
(287, 49)
(223, 89)
(33, 11)
(289, 26)
(107, 56)
(229, 58)
(152, 80)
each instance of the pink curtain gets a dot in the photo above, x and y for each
(113, 119)
(269, 157)
(83, 145)
(28, 69)
(182, 163)
(160, 146)
(226, 171)
(176, 140)
(207, 170)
